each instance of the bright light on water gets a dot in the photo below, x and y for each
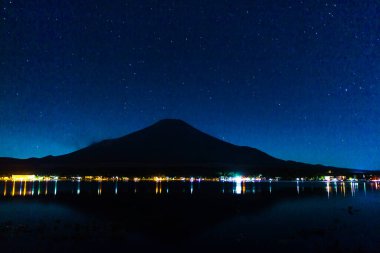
(55, 187)
(24, 192)
(78, 188)
(13, 188)
(46, 188)
(328, 188)
(5, 188)
(39, 187)
(298, 187)
(33, 188)
(20, 187)
(100, 188)
(237, 188)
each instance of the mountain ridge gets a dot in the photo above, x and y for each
(170, 146)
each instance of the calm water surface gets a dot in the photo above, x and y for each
(166, 216)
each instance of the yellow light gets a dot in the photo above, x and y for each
(23, 177)
(25, 188)
(100, 188)
(13, 188)
(5, 188)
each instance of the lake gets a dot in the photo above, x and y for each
(61, 216)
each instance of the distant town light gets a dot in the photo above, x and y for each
(238, 179)
(23, 177)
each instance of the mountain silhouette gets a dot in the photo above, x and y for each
(169, 142)
(170, 146)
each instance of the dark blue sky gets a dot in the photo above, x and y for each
(296, 79)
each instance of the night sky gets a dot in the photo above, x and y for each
(299, 80)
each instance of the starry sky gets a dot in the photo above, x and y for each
(299, 80)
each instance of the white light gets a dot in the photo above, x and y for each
(238, 179)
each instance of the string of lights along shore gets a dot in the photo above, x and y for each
(296, 79)
(32, 185)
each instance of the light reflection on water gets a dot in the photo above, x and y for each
(5, 188)
(33, 188)
(100, 188)
(20, 188)
(13, 188)
(237, 188)
(78, 188)
(158, 187)
(24, 193)
(331, 189)
(55, 187)
(328, 189)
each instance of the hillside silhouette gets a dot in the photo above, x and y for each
(171, 147)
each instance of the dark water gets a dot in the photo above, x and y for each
(182, 216)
